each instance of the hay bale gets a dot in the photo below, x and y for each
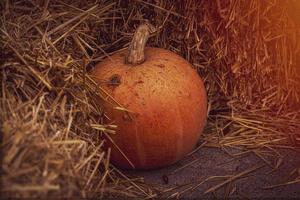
(52, 122)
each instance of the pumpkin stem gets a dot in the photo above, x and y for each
(136, 50)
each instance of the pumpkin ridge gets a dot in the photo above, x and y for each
(180, 133)
(139, 147)
(179, 144)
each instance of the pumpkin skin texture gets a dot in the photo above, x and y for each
(167, 103)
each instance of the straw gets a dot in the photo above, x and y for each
(52, 122)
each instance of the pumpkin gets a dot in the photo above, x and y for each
(161, 104)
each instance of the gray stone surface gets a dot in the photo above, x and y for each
(208, 162)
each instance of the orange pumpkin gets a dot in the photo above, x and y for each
(164, 103)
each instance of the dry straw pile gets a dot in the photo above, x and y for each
(51, 121)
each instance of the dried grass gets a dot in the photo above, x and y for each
(51, 119)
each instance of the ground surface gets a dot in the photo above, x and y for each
(208, 162)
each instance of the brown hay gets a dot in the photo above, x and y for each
(51, 119)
